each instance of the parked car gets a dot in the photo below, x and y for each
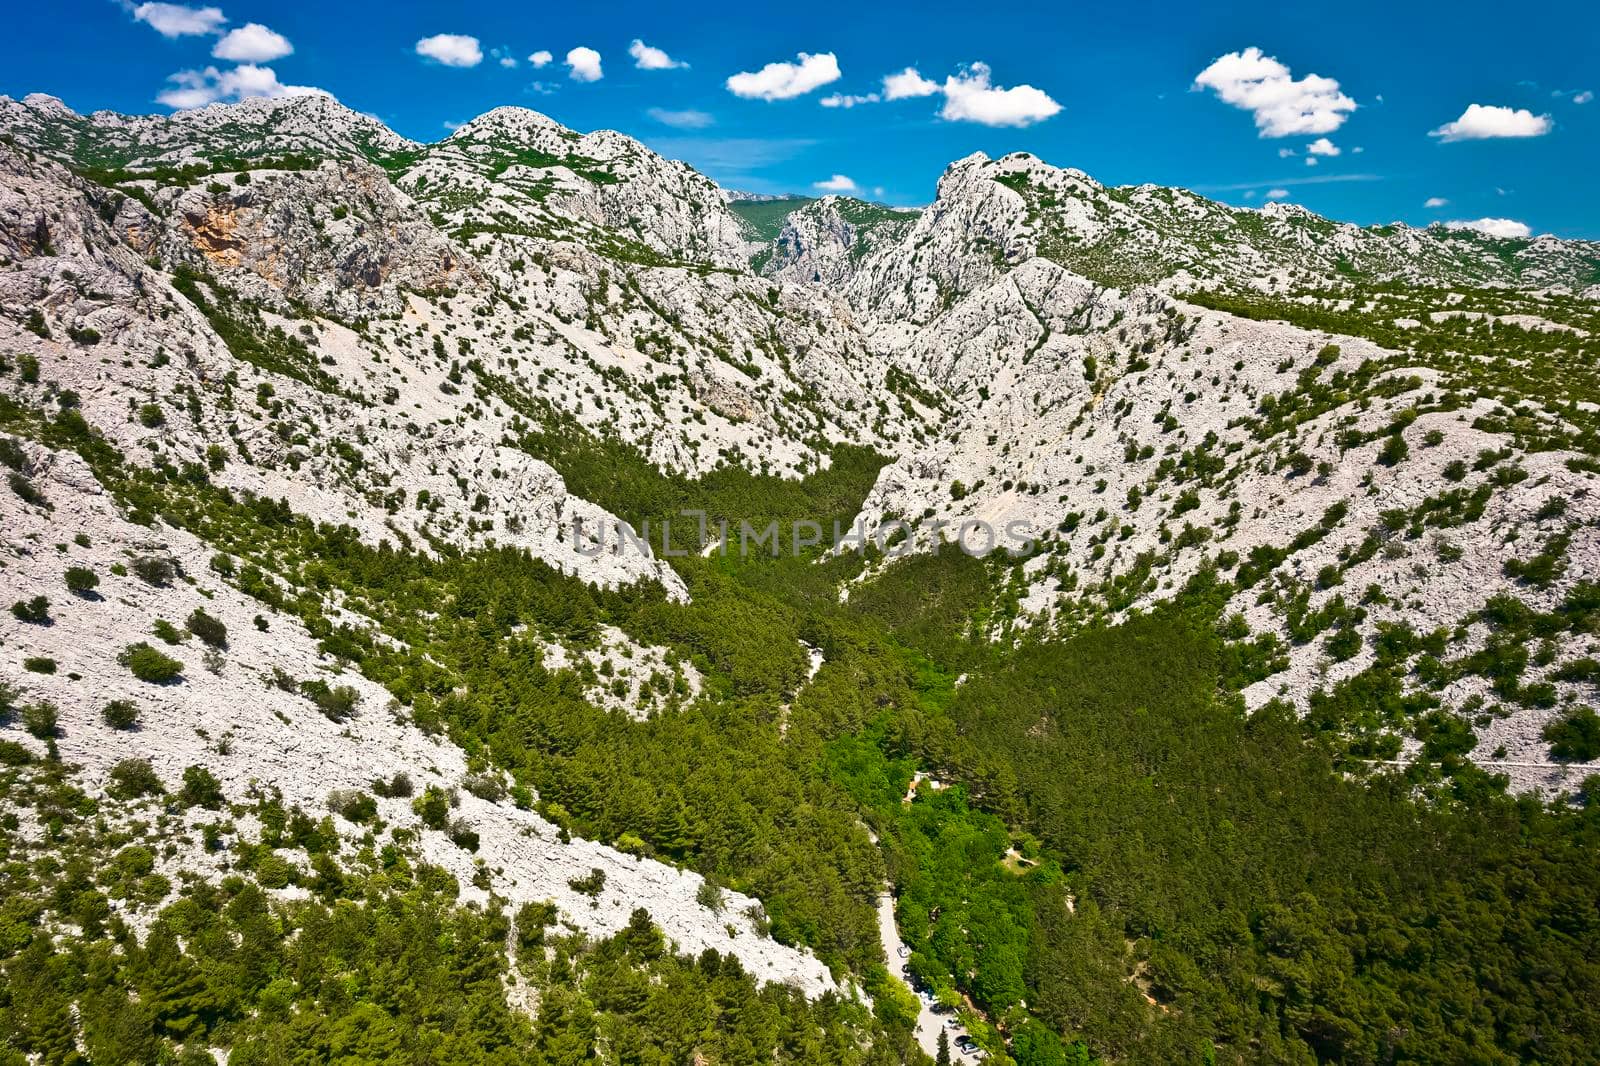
(904, 952)
(965, 1045)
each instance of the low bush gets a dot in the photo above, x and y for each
(41, 719)
(150, 665)
(35, 611)
(121, 714)
(201, 789)
(208, 629)
(81, 580)
(132, 778)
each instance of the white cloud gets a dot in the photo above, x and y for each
(1283, 105)
(539, 59)
(837, 183)
(648, 58)
(583, 64)
(252, 43)
(1311, 160)
(1436, 201)
(1323, 146)
(784, 81)
(1494, 227)
(176, 20)
(683, 120)
(1277, 194)
(906, 84)
(843, 100)
(451, 49)
(197, 88)
(968, 97)
(1584, 97)
(1286, 153)
(1478, 123)
(509, 62)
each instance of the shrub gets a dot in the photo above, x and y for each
(39, 664)
(274, 871)
(433, 807)
(1394, 451)
(338, 702)
(155, 570)
(26, 491)
(590, 886)
(151, 416)
(485, 787)
(208, 629)
(121, 714)
(462, 835)
(397, 787)
(168, 632)
(41, 719)
(201, 789)
(132, 778)
(709, 896)
(8, 700)
(1574, 737)
(35, 611)
(81, 580)
(150, 665)
(353, 805)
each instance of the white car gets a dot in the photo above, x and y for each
(903, 951)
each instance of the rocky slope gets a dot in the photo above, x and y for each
(286, 301)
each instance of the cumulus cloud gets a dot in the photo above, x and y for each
(784, 81)
(197, 88)
(1479, 123)
(451, 49)
(968, 97)
(1323, 146)
(1436, 201)
(648, 58)
(1286, 153)
(837, 183)
(539, 59)
(906, 84)
(1583, 97)
(583, 64)
(1283, 105)
(1277, 194)
(683, 120)
(252, 43)
(176, 20)
(1493, 227)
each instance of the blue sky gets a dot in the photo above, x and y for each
(1488, 108)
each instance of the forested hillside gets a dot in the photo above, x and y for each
(325, 738)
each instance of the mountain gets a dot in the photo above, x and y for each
(310, 431)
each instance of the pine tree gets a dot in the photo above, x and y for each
(943, 1058)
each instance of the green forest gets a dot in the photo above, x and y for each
(1112, 859)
